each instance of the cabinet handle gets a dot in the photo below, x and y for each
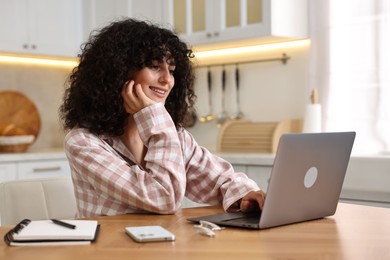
(47, 169)
(33, 46)
(214, 34)
(25, 46)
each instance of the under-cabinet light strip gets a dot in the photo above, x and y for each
(199, 55)
(38, 61)
(251, 49)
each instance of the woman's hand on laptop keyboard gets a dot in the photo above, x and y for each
(253, 201)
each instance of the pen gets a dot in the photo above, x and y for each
(64, 224)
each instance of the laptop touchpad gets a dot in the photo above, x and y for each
(246, 219)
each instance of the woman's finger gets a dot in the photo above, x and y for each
(143, 99)
(128, 97)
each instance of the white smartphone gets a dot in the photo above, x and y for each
(149, 233)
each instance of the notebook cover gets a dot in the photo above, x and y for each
(43, 232)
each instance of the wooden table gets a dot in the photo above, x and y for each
(355, 232)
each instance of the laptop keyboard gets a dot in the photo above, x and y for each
(244, 220)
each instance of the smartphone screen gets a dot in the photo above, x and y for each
(149, 233)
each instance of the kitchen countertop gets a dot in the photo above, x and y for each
(262, 159)
(32, 155)
(58, 153)
(259, 159)
(366, 180)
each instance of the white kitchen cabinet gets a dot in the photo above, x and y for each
(41, 27)
(240, 168)
(8, 172)
(260, 174)
(20, 166)
(366, 181)
(43, 169)
(206, 23)
(99, 13)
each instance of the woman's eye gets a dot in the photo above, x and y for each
(172, 69)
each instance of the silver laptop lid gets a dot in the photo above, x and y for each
(307, 177)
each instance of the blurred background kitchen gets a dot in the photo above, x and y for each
(285, 51)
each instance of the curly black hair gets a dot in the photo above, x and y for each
(93, 99)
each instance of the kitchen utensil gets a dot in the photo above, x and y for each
(19, 120)
(223, 115)
(238, 114)
(210, 116)
(190, 119)
(19, 110)
(15, 143)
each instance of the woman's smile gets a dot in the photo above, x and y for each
(158, 91)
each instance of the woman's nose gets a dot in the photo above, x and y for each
(165, 76)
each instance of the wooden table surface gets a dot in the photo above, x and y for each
(354, 232)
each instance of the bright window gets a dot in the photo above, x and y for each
(351, 63)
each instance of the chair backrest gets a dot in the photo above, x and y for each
(37, 199)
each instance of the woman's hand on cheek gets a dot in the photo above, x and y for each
(134, 97)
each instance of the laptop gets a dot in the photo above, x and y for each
(305, 183)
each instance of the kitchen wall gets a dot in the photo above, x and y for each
(270, 91)
(44, 86)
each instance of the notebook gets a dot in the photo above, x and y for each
(46, 232)
(305, 183)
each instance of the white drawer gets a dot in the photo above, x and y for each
(43, 169)
(8, 172)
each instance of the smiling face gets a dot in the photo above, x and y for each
(157, 80)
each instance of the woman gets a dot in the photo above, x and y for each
(127, 147)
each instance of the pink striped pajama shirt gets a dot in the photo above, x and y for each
(107, 181)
